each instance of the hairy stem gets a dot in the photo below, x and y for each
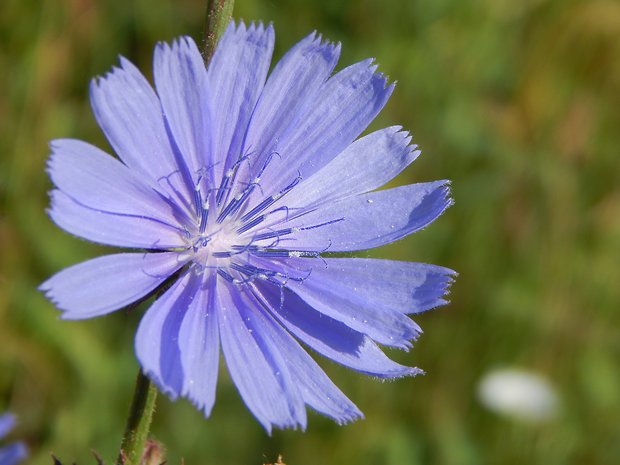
(138, 422)
(219, 13)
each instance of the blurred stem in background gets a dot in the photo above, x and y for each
(219, 13)
(134, 443)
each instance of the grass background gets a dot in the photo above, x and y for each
(518, 103)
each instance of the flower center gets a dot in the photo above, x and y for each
(237, 237)
(214, 246)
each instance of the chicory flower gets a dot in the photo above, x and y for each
(233, 189)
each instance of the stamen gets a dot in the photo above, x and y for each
(256, 221)
(278, 234)
(225, 275)
(287, 231)
(259, 208)
(267, 161)
(270, 200)
(198, 196)
(306, 228)
(286, 253)
(254, 272)
(235, 204)
(204, 216)
(173, 196)
(222, 254)
(229, 177)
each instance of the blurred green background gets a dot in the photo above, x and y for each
(517, 102)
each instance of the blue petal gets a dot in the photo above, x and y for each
(237, 75)
(316, 388)
(329, 337)
(292, 87)
(157, 340)
(344, 106)
(129, 112)
(365, 165)
(381, 323)
(104, 284)
(257, 366)
(98, 181)
(199, 343)
(112, 229)
(369, 220)
(405, 287)
(13, 453)
(182, 85)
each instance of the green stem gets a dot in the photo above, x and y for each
(219, 13)
(138, 422)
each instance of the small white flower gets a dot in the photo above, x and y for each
(518, 394)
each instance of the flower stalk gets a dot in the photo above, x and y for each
(138, 422)
(219, 13)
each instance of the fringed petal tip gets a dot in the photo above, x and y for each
(405, 373)
(315, 43)
(199, 404)
(47, 290)
(380, 80)
(243, 29)
(344, 417)
(443, 198)
(447, 189)
(443, 284)
(202, 405)
(349, 417)
(178, 46)
(316, 38)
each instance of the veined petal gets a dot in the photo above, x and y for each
(256, 365)
(98, 181)
(329, 337)
(344, 106)
(292, 86)
(199, 343)
(316, 388)
(104, 284)
(157, 340)
(381, 323)
(237, 75)
(128, 110)
(183, 89)
(405, 287)
(108, 228)
(369, 220)
(365, 165)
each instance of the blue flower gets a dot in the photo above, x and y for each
(234, 188)
(12, 453)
